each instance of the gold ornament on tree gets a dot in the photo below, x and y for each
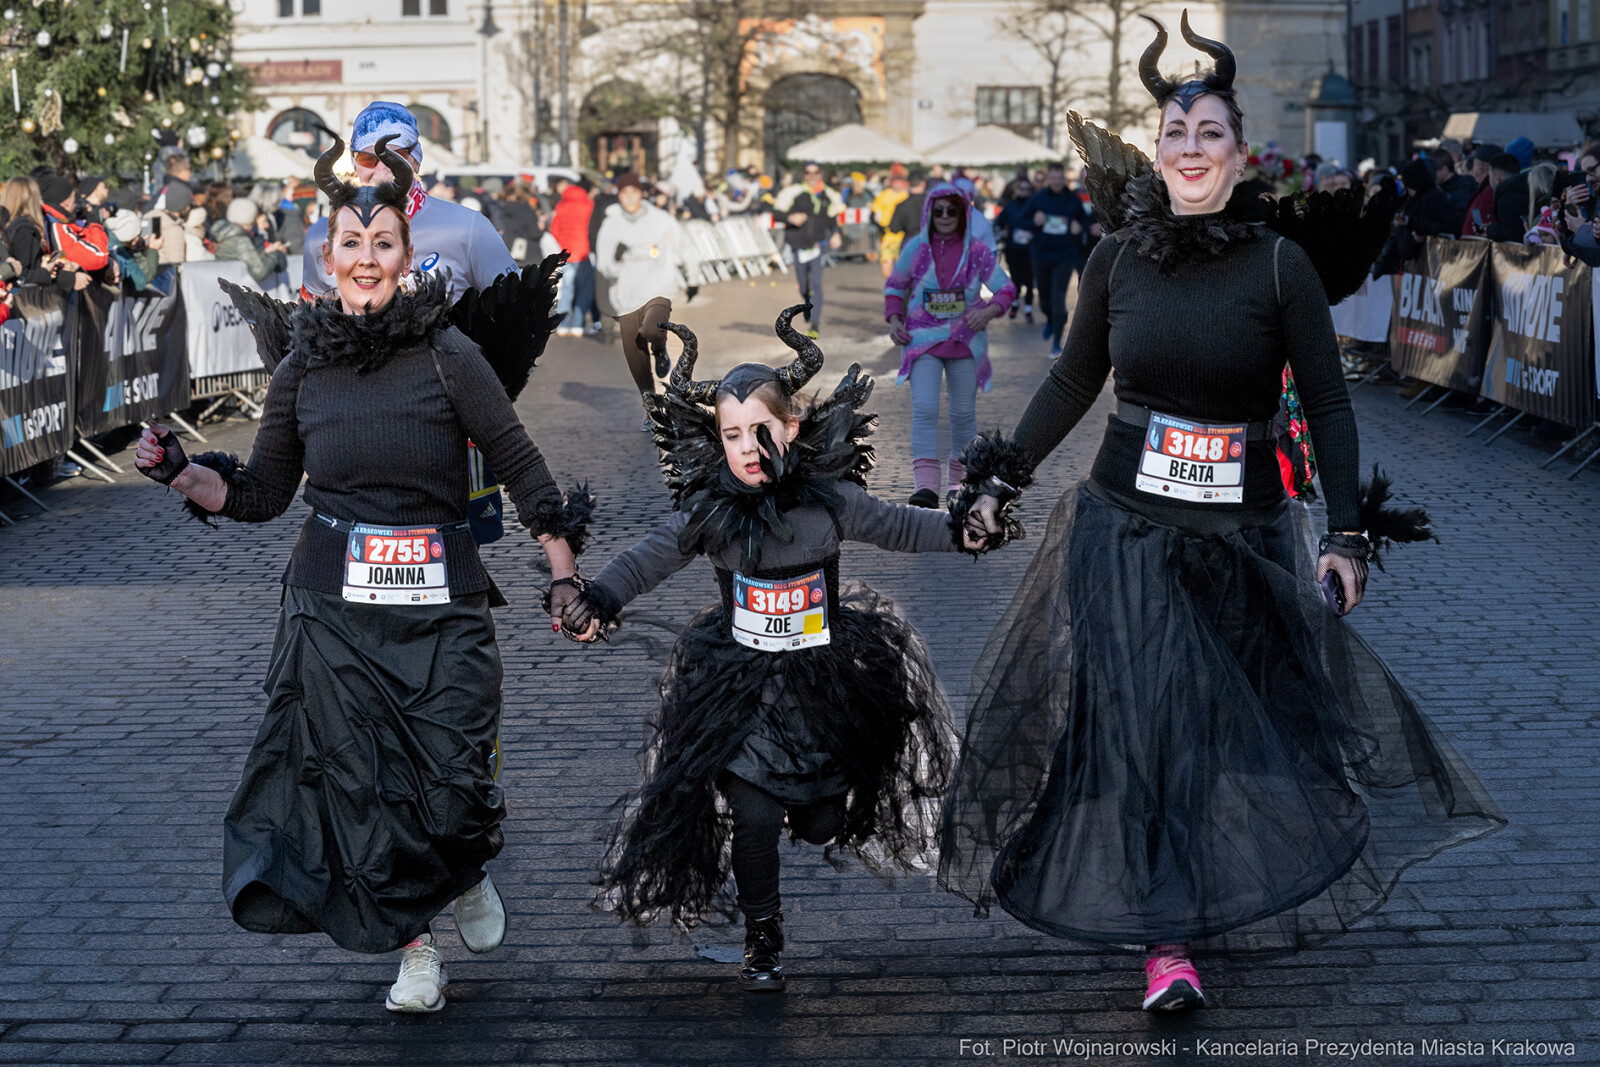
(178, 108)
(28, 126)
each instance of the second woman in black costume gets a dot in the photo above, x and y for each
(1173, 743)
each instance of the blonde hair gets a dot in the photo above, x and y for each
(21, 198)
(1541, 187)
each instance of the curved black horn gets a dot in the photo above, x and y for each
(809, 357)
(1150, 63)
(403, 177)
(682, 381)
(1227, 65)
(330, 185)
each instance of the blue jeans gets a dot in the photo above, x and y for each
(962, 375)
(576, 297)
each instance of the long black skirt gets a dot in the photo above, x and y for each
(1172, 740)
(871, 702)
(368, 801)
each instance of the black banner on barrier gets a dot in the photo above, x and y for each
(1540, 359)
(35, 380)
(1438, 331)
(132, 358)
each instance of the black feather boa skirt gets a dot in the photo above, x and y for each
(869, 699)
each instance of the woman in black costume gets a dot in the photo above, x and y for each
(790, 697)
(1174, 744)
(368, 802)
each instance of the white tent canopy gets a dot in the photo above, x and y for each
(853, 143)
(258, 157)
(1546, 129)
(991, 146)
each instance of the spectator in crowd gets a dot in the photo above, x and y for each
(1458, 188)
(1578, 204)
(82, 245)
(1511, 192)
(1540, 222)
(137, 255)
(26, 241)
(177, 191)
(1425, 212)
(231, 239)
(92, 198)
(570, 224)
(1480, 209)
(518, 220)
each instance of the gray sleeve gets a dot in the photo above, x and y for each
(648, 563)
(893, 527)
(487, 254)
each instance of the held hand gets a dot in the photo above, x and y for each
(1350, 574)
(561, 598)
(579, 619)
(898, 332)
(159, 457)
(983, 521)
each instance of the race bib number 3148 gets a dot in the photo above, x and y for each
(1192, 461)
(390, 566)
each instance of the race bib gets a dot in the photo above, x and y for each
(1055, 225)
(385, 566)
(1192, 461)
(1021, 237)
(782, 614)
(944, 303)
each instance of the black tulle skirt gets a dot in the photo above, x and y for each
(1172, 740)
(870, 701)
(368, 800)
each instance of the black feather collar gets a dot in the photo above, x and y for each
(1173, 240)
(724, 512)
(322, 334)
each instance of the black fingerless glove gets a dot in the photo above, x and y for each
(995, 467)
(173, 461)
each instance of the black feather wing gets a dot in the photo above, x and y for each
(512, 318)
(268, 319)
(1109, 163)
(1341, 235)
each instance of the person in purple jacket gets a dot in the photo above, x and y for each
(934, 304)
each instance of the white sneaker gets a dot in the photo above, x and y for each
(481, 917)
(420, 986)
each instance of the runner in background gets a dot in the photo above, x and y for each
(1015, 228)
(1059, 221)
(883, 206)
(811, 211)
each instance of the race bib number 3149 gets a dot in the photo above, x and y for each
(390, 566)
(1192, 461)
(783, 614)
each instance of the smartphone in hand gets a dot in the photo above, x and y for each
(1333, 593)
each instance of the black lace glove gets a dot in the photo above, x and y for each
(172, 461)
(1342, 570)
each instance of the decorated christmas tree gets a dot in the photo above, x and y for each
(100, 85)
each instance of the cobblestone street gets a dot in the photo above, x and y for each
(133, 643)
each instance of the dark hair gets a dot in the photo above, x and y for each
(916, 175)
(1506, 163)
(1590, 149)
(1441, 159)
(1056, 164)
(218, 196)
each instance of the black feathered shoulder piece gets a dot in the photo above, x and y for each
(322, 334)
(1339, 233)
(268, 320)
(512, 318)
(831, 446)
(1153, 231)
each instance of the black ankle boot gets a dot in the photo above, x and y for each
(763, 945)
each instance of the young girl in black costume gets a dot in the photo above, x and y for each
(788, 697)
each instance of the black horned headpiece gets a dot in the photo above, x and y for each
(365, 200)
(1218, 83)
(744, 379)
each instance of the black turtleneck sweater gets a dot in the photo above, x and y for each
(376, 411)
(1206, 338)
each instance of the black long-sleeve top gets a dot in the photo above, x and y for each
(1207, 341)
(377, 411)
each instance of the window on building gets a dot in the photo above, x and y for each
(286, 9)
(1016, 107)
(438, 7)
(1374, 75)
(307, 7)
(410, 9)
(1447, 67)
(1583, 20)
(1485, 45)
(1358, 48)
(1396, 49)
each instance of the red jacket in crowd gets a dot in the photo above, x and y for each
(85, 244)
(1483, 204)
(570, 223)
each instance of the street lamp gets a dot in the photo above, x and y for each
(487, 30)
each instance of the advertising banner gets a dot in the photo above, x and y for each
(219, 339)
(130, 358)
(1438, 330)
(35, 380)
(1541, 357)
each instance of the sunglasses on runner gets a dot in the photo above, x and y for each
(945, 211)
(369, 159)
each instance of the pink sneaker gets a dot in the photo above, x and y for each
(1174, 983)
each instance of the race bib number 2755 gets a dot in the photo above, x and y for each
(390, 566)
